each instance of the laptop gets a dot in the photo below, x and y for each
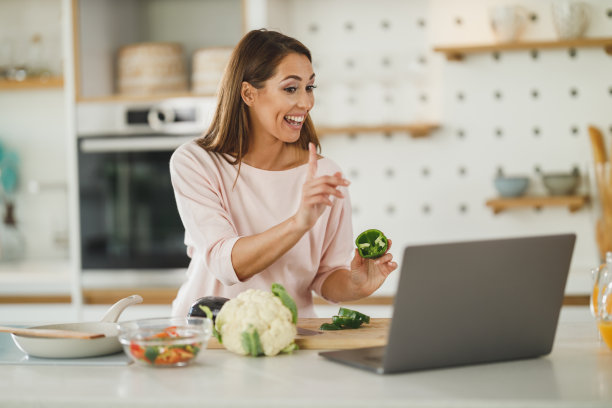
(472, 302)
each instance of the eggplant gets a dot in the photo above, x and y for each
(214, 303)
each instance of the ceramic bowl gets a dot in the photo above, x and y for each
(165, 342)
(561, 183)
(511, 186)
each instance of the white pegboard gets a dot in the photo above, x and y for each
(516, 110)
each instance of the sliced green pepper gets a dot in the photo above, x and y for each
(329, 326)
(346, 322)
(372, 243)
(353, 314)
(346, 319)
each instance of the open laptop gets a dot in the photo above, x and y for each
(472, 302)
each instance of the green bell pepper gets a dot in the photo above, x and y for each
(372, 243)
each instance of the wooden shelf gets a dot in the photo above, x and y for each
(31, 83)
(574, 203)
(457, 52)
(414, 129)
(140, 98)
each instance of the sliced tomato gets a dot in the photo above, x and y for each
(137, 351)
(167, 332)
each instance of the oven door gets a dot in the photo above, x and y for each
(128, 214)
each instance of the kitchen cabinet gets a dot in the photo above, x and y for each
(458, 52)
(101, 28)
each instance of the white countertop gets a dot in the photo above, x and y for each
(578, 373)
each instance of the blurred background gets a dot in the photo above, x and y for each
(454, 120)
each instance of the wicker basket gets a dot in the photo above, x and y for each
(208, 67)
(151, 68)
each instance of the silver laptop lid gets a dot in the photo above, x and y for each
(478, 301)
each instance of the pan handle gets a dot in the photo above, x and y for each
(115, 310)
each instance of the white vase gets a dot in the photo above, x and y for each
(508, 22)
(571, 18)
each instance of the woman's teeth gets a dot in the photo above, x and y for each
(294, 120)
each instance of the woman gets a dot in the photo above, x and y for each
(257, 202)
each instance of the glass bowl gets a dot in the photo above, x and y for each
(165, 342)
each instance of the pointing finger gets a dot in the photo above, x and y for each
(312, 161)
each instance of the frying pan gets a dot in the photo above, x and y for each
(77, 348)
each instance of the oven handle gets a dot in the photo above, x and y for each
(134, 144)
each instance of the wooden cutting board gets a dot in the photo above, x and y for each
(368, 335)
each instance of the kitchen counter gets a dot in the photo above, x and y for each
(31, 279)
(578, 373)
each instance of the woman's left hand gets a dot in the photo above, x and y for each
(367, 275)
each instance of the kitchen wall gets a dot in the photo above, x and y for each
(375, 64)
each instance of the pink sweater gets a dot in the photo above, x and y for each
(215, 216)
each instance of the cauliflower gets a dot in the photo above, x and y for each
(257, 322)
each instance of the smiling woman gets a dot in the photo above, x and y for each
(257, 202)
(278, 110)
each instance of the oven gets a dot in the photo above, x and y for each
(127, 211)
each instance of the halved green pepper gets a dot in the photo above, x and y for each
(329, 326)
(372, 243)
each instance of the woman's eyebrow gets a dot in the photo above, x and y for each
(296, 77)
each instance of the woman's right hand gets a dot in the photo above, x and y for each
(316, 192)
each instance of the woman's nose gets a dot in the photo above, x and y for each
(306, 100)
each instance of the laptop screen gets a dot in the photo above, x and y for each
(478, 301)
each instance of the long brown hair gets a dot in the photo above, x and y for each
(254, 60)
